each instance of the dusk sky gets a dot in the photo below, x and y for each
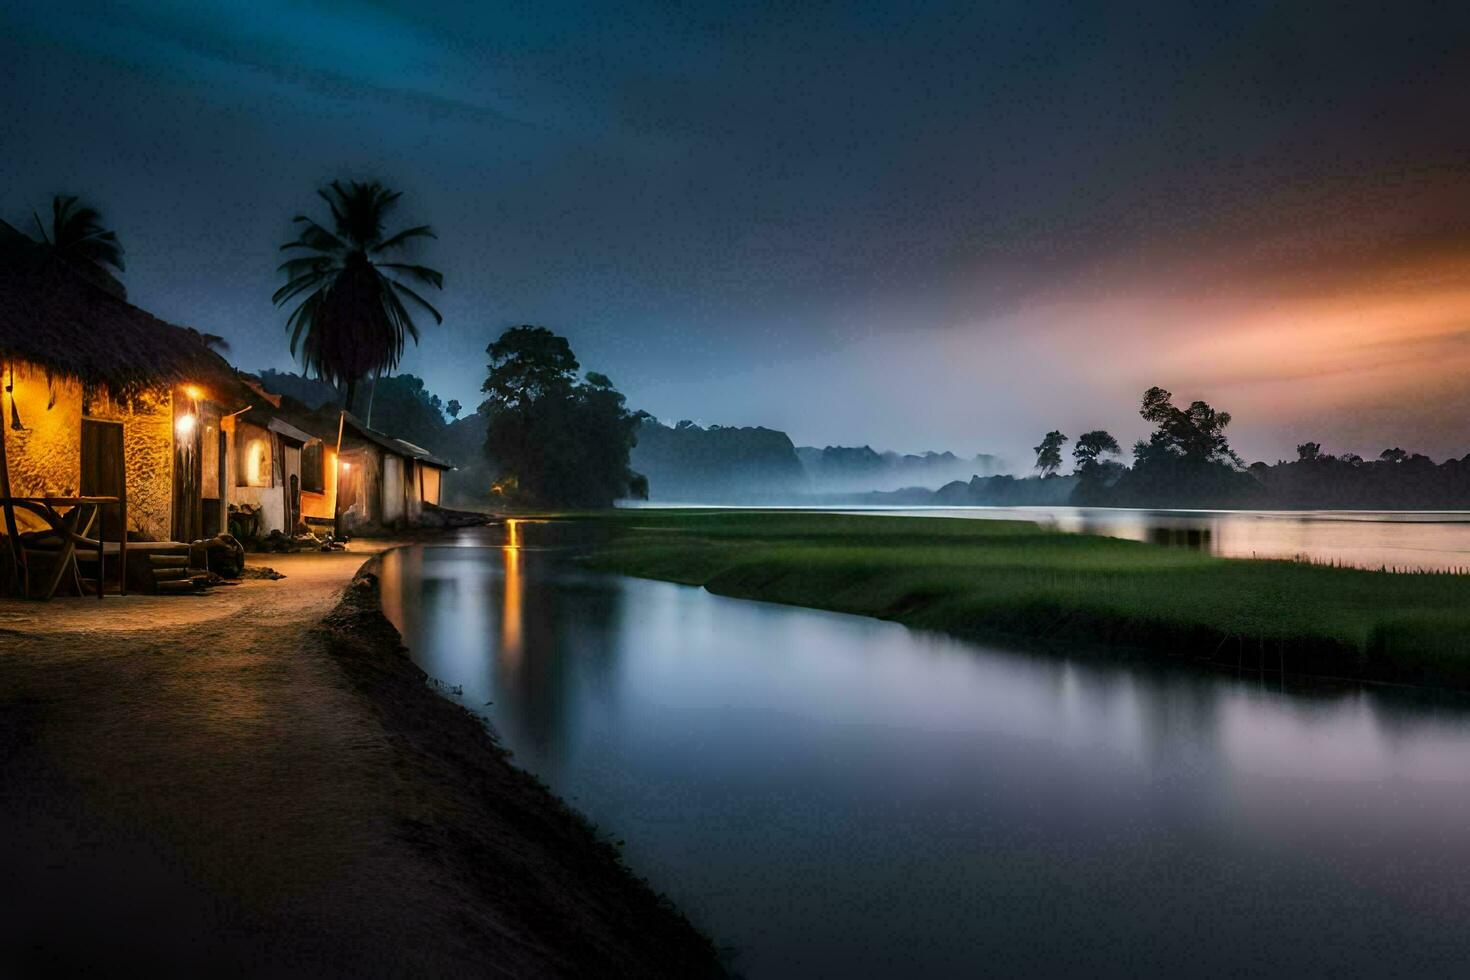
(911, 225)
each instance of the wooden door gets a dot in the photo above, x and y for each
(103, 473)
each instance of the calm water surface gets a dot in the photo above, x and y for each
(836, 796)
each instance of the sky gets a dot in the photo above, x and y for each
(910, 225)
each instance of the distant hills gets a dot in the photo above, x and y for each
(849, 469)
(688, 463)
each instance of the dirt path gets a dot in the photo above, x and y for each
(220, 784)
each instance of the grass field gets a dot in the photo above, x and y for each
(1005, 579)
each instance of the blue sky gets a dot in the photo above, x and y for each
(914, 225)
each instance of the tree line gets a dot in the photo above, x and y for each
(1187, 461)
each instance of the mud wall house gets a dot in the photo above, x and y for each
(284, 475)
(101, 398)
(384, 482)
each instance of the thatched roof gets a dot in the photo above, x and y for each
(52, 316)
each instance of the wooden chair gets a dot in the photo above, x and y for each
(44, 557)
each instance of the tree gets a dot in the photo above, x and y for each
(403, 407)
(1309, 452)
(1091, 447)
(554, 441)
(1195, 434)
(77, 236)
(453, 408)
(1394, 455)
(351, 320)
(1049, 453)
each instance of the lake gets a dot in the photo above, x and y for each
(1401, 540)
(835, 796)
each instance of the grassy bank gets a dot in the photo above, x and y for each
(1004, 579)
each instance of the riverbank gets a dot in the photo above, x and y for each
(1012, 580)
(259, 782)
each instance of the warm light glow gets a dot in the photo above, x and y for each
(184, 426)
(510, 616)
(193, 391)
(255, 463)
(346, 466)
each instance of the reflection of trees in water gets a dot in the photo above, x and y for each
(556, 631)
(1196, 538)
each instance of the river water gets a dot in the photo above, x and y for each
(829, 795)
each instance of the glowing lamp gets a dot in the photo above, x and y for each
(184, 425)
(193, 391)
(346, 467)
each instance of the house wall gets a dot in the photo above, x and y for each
(322, 504)
(365, 476)
(432, 480)
(45, 456)
(392, 488)
(292, 456)
(254, 459)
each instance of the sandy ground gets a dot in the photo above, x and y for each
(222, 784)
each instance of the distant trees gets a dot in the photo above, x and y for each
(353, 316)
(1394, 455)
(453, 408)
(555, 441)
(1185, 461)
(1094, 472)
(75, 233)
(1196, 433)
(1308, 452)
(1049, 453)
(401, 406)
(1091, 447)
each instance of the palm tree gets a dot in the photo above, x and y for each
(351, 320)
(77, 236)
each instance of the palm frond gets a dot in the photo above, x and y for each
(421, 231)
(314, 236)
(400, 287)
(311, 263)
(422, 273)
(300, 284)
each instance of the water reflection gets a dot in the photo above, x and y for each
(510, 618)
(839, 796)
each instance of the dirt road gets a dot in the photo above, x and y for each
(221, 784)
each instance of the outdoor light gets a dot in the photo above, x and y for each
(346, 467)
(184, 425)
(193, 391)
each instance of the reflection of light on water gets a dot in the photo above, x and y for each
(510, 617)
(390, 587)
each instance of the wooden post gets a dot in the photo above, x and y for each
(10, 528)
(337, 481)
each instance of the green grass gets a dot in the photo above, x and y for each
(1007, 579)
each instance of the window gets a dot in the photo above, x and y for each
(313, 477)
(255, 462)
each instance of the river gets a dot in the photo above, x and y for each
(835, 796)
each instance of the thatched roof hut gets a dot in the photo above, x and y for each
(52, 316)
